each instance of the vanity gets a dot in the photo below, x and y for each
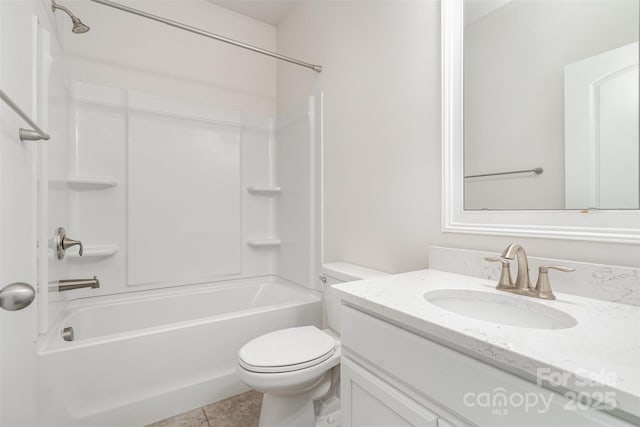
(431, 348)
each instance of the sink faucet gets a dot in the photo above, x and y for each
(522, 286)
(523, 282)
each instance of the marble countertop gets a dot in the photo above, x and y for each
(600, 356)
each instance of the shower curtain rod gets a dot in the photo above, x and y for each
(201, 32)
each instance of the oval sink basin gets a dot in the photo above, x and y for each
(501, 309)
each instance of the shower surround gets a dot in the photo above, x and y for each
(201, 226)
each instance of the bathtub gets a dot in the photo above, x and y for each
(148, 355)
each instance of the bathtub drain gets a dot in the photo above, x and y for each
(67, 334)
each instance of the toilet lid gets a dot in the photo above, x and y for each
(287, 350)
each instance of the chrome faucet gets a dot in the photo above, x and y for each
(71, 284)
(522, 286)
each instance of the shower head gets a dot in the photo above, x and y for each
(78, 26)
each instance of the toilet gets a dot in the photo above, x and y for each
(297, 369)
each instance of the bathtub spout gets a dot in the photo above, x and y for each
(70, 284)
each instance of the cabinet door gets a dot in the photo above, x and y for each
(368, 401)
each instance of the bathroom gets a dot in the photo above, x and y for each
(342, 165)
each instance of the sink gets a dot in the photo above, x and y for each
(500, 309)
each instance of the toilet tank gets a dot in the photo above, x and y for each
(341, 272)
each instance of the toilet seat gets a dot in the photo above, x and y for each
(287, 350)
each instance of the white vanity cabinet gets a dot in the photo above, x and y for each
(367, 400)
(393, 377)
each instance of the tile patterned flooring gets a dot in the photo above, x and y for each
(242, 410)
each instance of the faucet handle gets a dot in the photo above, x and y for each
(545, 268)
(67, 243)
(61, 243)
(505, 280)
(543, 285)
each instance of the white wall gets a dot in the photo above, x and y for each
(514, 93)
(382, 169)
(381, 110)
(124, 50)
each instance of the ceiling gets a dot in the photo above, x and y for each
(273, 11)
(269, 11)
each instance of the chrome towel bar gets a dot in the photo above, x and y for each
(34, 134)
(537, 171)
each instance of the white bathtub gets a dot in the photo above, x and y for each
(149, 355)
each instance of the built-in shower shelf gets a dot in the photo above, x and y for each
(80, 183)
(95, 251)
(263, 243)
(263, 191)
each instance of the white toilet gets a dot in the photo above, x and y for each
(294, 367)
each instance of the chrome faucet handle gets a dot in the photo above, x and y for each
(62, 243)
(543, 285)
(505, 281)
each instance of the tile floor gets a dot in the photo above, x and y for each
(242, 410)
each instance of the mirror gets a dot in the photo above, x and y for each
(550, 104)
(538, 217)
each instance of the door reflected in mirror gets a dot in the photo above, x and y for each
(551, 104)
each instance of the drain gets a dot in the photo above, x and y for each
(67, 334)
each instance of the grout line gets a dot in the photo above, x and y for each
(206, 417)
(211, 422)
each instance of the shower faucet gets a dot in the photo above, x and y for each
(61, 243)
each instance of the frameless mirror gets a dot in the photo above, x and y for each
(550, 104)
